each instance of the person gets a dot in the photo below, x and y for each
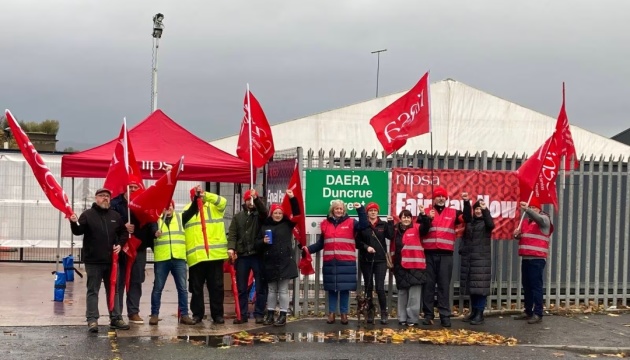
(244, 229)
(371, 244)
(533, 247)
(104, 233)
(145, 234)
(409, 264)
(439, 245)
(337, 239)
(278, 262)
(205, 264)
(476, 258)
(169, 254)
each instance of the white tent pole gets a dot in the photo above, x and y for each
(58, 237)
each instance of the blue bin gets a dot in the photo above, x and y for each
(60, 286)
(68, 267)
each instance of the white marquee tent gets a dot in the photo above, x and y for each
(464, 119)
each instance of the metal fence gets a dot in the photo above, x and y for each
(589, 256)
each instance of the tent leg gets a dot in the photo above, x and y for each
(72, 235)
(58, 237)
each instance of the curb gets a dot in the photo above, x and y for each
(581, 348)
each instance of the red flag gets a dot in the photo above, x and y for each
(147, 205)
(112, 282)
(405, 118)
(261, 138)
(131, 249)
(54, 192)
(295, 185)
(539, 173)
(123, 165)
(564, 139)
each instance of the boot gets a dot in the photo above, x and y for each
(384, 317)
(344, 319)
(269, 317)
(370, 317)
(331, 318)
(478, 318)
(282, 319)
(472, 314)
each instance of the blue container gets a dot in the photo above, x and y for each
(60, 286)
(269, 235)
(68, 267)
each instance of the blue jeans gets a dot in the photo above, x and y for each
(478, 302)
(532, 279)
(177, 267)
(344, 301)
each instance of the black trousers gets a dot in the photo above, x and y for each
(135, 281)
(375, 271)
(209, 273)
(439, 272)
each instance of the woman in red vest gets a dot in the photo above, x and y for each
(533, 246)
(340, 257)
(409, 265)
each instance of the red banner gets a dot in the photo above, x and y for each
(261, 146)
(499, 189)
(123, 166)
(54, 192)
(538, 174)
(295, 185)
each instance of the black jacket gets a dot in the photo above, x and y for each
(374, 236)
(101, 230)
(145, 233)
(475, 251)
(278, 257)
(405, 278)
(245, 227)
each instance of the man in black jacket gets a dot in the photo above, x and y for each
(103, 234)
(242, 250)
(146, 235)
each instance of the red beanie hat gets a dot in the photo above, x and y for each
(193, 192)
(535, 202)
(439, 191)
(275, 207)
(372, 205)
(247, 195)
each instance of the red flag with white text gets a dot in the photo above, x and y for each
(54, 192)
(262, 146)
(539, 172)
(147, 205)
(295, 185)
(407, 117)
(123, 166)
(564, 139)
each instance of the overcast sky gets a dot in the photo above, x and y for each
(87, 63)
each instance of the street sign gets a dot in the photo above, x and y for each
(362, 186)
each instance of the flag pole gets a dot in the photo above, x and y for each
(430, 132)
(251, 155)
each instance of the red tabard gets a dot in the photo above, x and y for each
(533, 242)
(412, 252)
(442, 232)
(339, 241)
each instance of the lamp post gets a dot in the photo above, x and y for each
(378, 63)
(158, 27)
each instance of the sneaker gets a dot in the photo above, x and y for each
(410, 324)
(153, 320)
(427, 321)
(118, 325)
(136, 319)
(384, 317)
(93, 327)
(535, 319)
(523, 316)
(186, 320)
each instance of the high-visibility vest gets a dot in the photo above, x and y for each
(339, 240)
(213, 208)
(442, 232)
(171, 244)
(533, 242)
(412, 252)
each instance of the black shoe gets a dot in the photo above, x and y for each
(197, 319)
(470, 316)
(402, 323)
(523, 316)
(427, 321)
(478, 318)
(384, 317)
(446, 322)
(243, 320)
(535, 319)
(219, 320)
(259, 319)
(269, 317)
(93, 327)
(118, 325)
(282, 319)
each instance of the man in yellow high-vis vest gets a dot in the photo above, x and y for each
(206, 263)
(169, 249)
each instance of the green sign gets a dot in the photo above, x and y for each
(362, 186)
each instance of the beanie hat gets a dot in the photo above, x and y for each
(193, 193)
(275, 207)
(534, 202)
(477, 204)
(247, 195)
(439, 191)
(371, 206)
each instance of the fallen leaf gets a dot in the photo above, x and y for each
(556, 354)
